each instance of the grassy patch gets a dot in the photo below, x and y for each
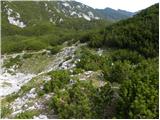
(13, 61)
(27, 114)
(35, 63)
(37, 81)
(5, 111)
(10, 98)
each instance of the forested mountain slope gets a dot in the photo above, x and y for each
(139, 33)
(115, 15)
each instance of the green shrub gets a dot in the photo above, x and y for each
(25, 56)
(77, 70)
(34, 44)
(38, 29)
(96, 40)
(123, 55)
(85, 38)
(5, 111)
(138, 96)
(11, 97)
(139, 33)
(118, 72)
(55, 49)
(73, 102)
(89, 61)
(41, 93)
(13, 61)
(58, 80)
(81, 101)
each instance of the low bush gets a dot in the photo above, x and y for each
(55, 49)
(13, 61)
(73, 102)
(58, 80)
(25, 56)
(81, 101)
(77, 70)
(122, 55)
(118, 72)
(89, 61)
(138, 96)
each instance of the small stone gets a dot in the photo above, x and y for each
(32, 90)
(88, 72)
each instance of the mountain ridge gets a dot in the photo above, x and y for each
(113, 14)
(31, 12)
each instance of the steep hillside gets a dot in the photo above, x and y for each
(36, 25)
(28, 13)
(112, 14)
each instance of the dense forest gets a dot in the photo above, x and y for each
(139, 33)
(128, 66)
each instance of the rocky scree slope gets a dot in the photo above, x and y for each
(18, 94)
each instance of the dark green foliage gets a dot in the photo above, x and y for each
(85, 38)
(39, 29)
(138, 80)
(101, 100)
(95, 40)
(139, 94)
(34, 44)
(74, 102)
(82, 100)
(77, 70)
(124, 55)
(58, 80)
(19, 43)
(118, 72)
(25, 56)
(139, 33)
(33, 40)
(82, 24)
(55, 49)
(90, 61)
